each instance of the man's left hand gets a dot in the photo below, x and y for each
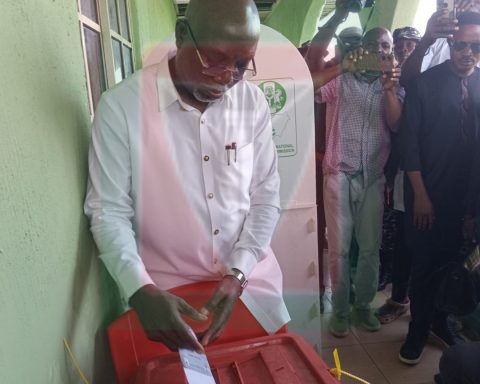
(221, 305)
(390, 80)
(467, 5)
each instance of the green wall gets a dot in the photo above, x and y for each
(391, 14)
(152, 21)
(49, 286)
(295, 19)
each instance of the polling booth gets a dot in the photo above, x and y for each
(285, 80)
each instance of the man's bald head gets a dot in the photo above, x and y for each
(216, 45)
(224, 20)
(378, 40)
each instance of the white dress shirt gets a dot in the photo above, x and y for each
(169, 205)
(436, 54)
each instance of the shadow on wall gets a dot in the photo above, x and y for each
(94, 301)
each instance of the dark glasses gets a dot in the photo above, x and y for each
(462, 45)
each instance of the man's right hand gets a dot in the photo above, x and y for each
(342, 7)
(159, 312)
(440, 25)
(349, 63)
(423, 214)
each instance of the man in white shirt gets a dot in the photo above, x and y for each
(183, 180)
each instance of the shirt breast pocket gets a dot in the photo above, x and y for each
(237, 165)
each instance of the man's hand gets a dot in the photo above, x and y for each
(221, 305)
(342, 8)
(467, 5)
(349, 63)
(423, 214)
(159, 312)
(390, 80)
(440, 25)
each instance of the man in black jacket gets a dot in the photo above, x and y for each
(441, 133)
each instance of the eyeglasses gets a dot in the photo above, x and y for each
(462, 45)
(237, 72)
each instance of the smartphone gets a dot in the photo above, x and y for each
(378, 62)
(448, 4)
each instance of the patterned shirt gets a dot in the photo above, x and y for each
(358, 138)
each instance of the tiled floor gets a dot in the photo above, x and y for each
(373, 356)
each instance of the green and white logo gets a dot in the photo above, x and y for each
(275, 95)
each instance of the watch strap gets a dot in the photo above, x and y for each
(240, 276)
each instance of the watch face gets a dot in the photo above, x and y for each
(240, 276)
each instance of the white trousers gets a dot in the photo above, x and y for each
(353, 210)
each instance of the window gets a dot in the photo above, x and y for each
(107, 44)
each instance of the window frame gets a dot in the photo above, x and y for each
(107, 35)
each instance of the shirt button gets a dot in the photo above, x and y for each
(216, 232)
(206, 158)
(210, 195)
(202, 121)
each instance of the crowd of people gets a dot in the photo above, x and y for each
(183, 181)
(399, 166)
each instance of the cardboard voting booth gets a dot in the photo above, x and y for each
(285, 79)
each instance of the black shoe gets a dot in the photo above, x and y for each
(445, 336)
(410, 353)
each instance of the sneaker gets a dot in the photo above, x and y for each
(366, 319)
(445, 336)
(410, 353)
(391, 311)
(338, 326)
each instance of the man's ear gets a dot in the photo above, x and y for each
(180, 33)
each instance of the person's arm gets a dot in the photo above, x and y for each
(348, 64)
(110, 207)
(423, 213)
(472, 203)
(439, 26)
(423, 209)
(259, 225)
(319, 45)
(326, 75)
(393, 105)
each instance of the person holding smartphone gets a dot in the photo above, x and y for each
(362, 109)
(433, 48)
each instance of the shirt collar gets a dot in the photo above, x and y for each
(166, 91)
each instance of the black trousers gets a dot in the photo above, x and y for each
(431, 250)
(402, 261)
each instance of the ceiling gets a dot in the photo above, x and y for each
(327, 8)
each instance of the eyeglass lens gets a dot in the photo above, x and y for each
(461, 45)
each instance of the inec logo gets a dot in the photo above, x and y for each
(275, 95)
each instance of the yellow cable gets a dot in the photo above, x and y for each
(337, 371)
(355, 377)
(74, 361)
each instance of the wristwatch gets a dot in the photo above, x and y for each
(240, 276)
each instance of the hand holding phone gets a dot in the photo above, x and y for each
(440, 25)
(376, 62)
(449, 5)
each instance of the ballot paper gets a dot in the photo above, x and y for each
(196, 367)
